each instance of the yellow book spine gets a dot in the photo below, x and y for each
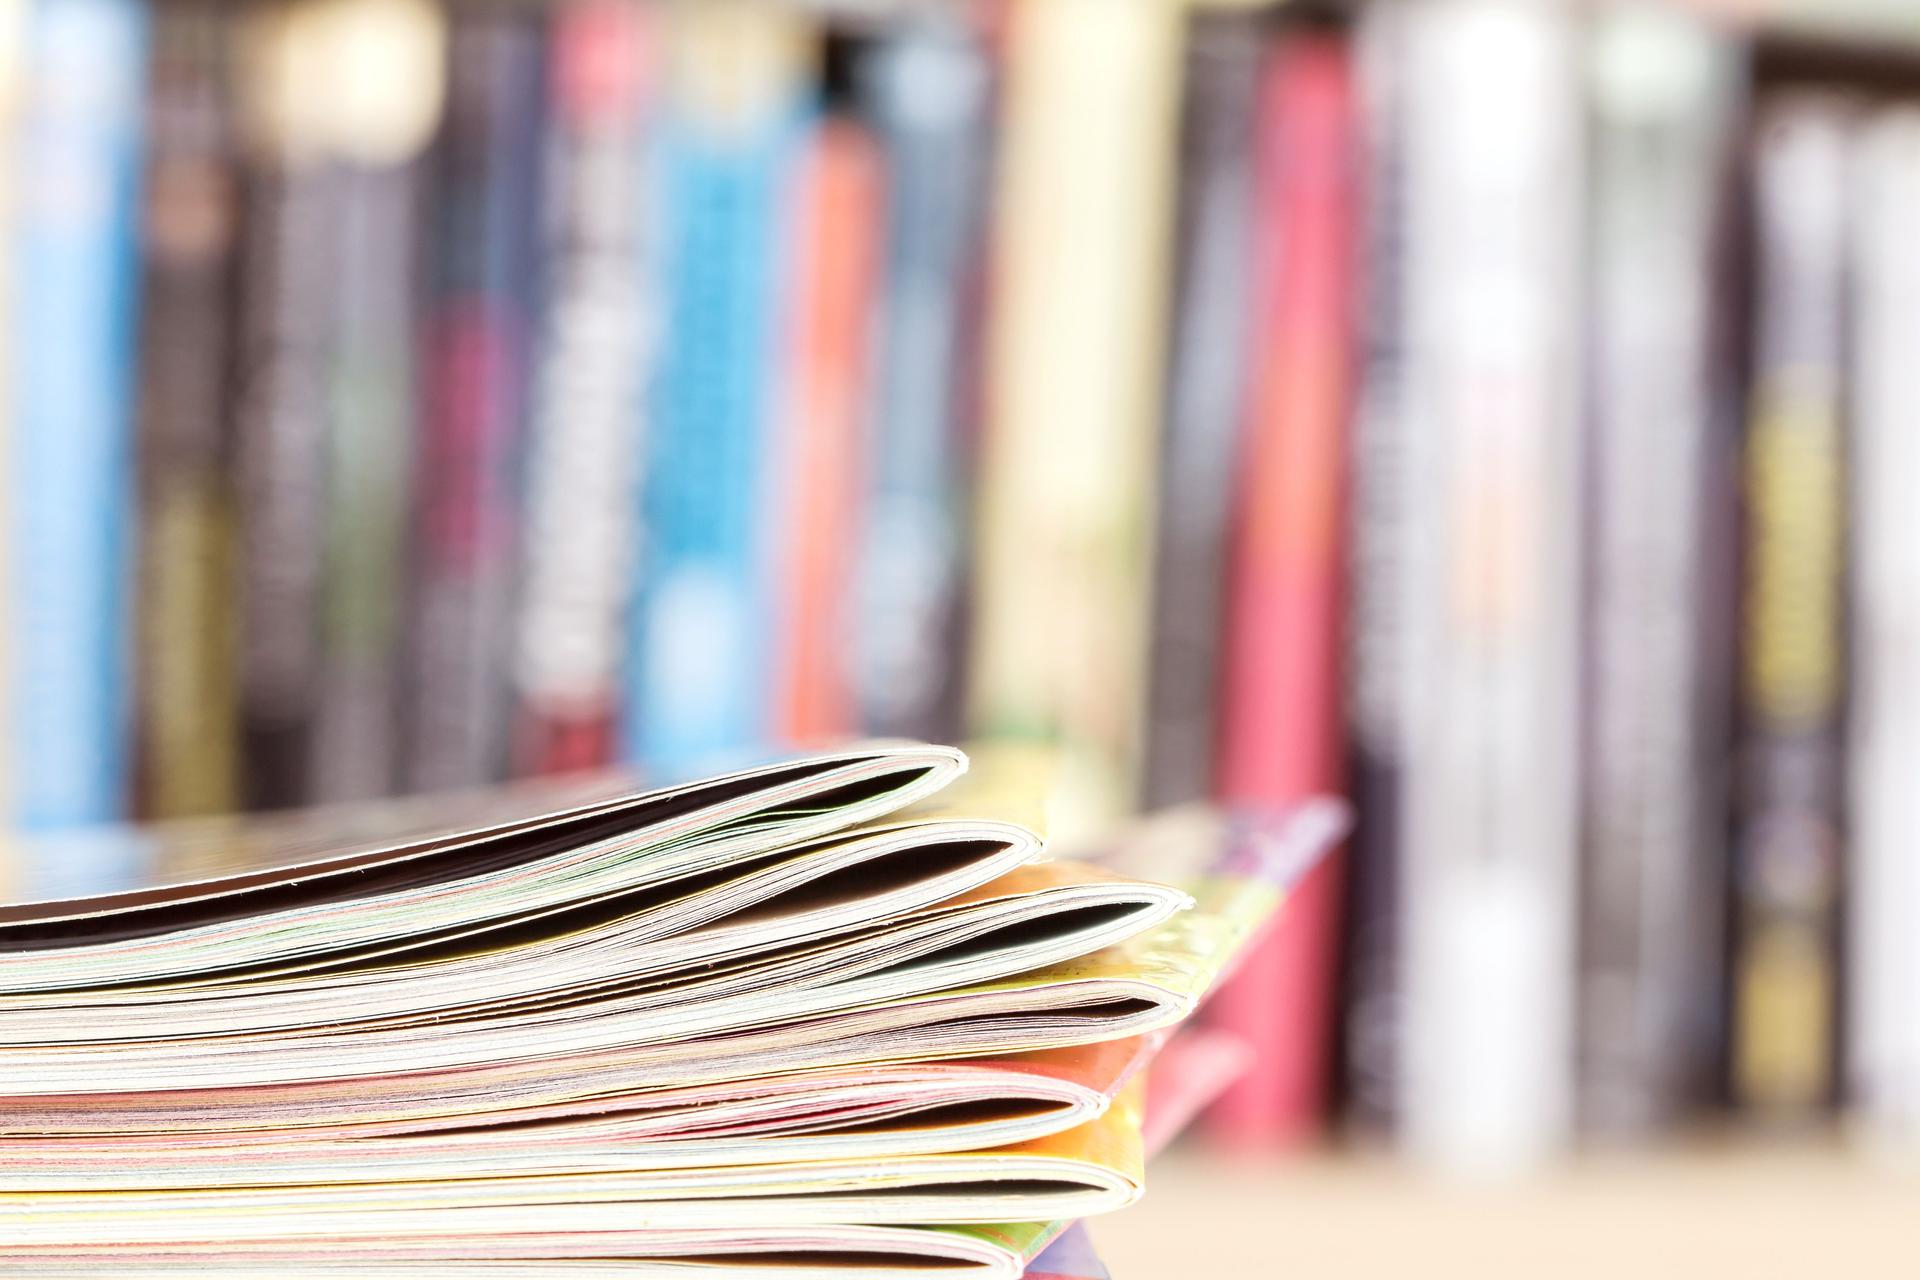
(1785, 987)
(1074, 364)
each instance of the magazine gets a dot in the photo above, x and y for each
(826, 1012)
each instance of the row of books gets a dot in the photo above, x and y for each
(406, 396)
(1627, 581)
(1469, 405)
(1522, 470)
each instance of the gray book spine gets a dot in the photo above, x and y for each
(1205, 406)
(468, 470)
(1665, 90)
(372, 423)
(927, 88)
(1376, 659)
(287, 280)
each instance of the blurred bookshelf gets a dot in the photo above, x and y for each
(1490, 411)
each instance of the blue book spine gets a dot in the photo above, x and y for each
(71, 473)
(701, 666)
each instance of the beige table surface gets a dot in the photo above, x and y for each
(1705, 1212)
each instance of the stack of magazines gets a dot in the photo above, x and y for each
(807, 1017)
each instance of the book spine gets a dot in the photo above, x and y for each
(738, 88)
(187, 698)
(820, 453)
(1281, 723)
(14, 871)
(1084, 212)
(70, 472)
(1491, 531)
(1376, 636)
(1665, 92)
(583, 450)
(1205, 395)
(1787, 825)
(926, 88)
(370, 428)
(285, 301)
(467, 482)
(1883, 739)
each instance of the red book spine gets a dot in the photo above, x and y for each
(840, 205)
(1281, 722)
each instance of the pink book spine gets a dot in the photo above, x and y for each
(1281, 719)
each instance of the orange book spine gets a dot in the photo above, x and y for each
(1281, 719)
(840, 204)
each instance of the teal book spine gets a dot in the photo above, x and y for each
(724, 154)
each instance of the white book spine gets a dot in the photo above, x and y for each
(1884, 720)
(1491, 576)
